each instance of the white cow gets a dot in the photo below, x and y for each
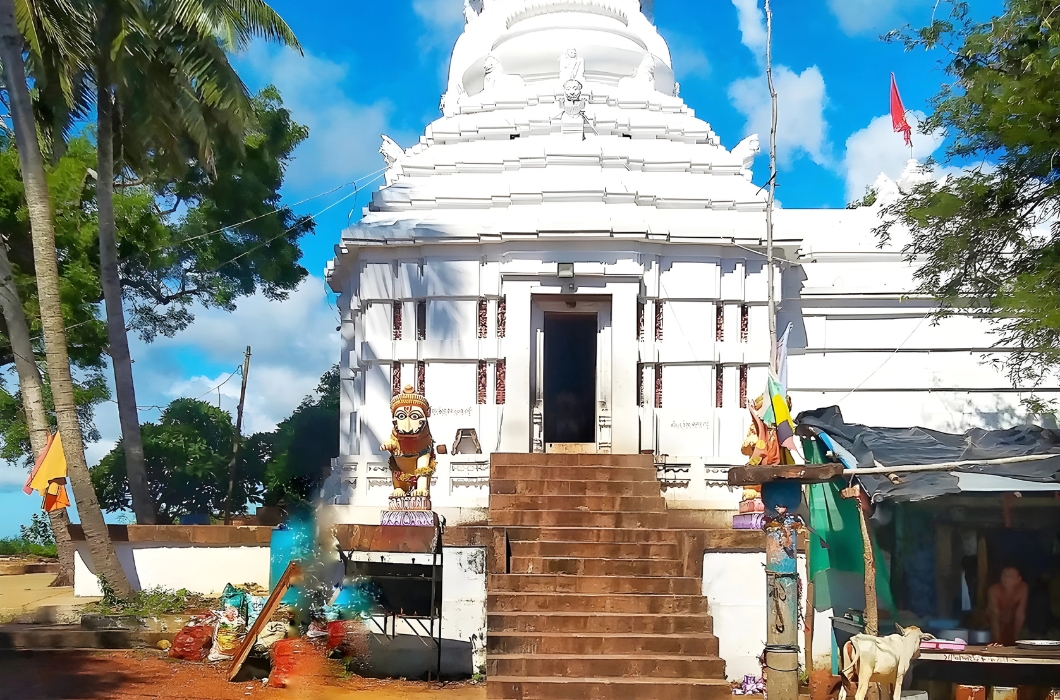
(885, 660)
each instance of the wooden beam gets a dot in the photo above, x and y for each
(290, 574)
(805, 473)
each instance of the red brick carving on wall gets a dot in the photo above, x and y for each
(502, 370)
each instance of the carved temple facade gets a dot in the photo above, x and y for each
(570, 260)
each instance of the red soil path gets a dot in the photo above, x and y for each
(143, 674)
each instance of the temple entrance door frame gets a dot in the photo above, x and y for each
(547, 305)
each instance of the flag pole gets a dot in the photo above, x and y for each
(772, 302)
(781, 657)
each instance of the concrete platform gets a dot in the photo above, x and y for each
(27, 598)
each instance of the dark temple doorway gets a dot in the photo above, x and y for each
(570, 378)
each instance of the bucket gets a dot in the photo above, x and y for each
(970, 692)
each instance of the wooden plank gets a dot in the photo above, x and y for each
(388, 538)
(805, 473)
(292, 572)
(982, 657)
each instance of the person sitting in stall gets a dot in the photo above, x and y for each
(1007, 606)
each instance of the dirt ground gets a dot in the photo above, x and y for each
(142, 674)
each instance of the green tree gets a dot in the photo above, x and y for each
(162, 77)
(296, 456)
(187, 455)
(988, 238)
(49, 288)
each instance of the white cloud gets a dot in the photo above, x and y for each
(878, 149)
(343, 141)
(688, 58)
(440, 14)
(12, 477)
(858, 16)
(801, 97)
(752, 26)
(292, 344)
(801, 100)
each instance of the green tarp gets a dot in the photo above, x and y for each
(835, 520)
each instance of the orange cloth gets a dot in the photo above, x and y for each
(49, 476)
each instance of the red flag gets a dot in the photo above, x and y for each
(898, 120)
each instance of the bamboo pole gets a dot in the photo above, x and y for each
(872, 620)
(945, 466)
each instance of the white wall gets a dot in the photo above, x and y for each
(735, 585)
(199, 568)
(463, 595)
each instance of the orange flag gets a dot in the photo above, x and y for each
(49, 476)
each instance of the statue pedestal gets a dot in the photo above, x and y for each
(409, 510)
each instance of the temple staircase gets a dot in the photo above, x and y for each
(593, 599)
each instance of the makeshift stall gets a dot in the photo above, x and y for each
(946, 515)
(410, 591)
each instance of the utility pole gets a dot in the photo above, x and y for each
(772, 190)
(781, 498)
(237, 439)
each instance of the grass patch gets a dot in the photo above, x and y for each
(148, 603)
(17, 546)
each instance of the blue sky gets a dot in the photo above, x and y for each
(379, 67)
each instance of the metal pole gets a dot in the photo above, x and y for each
(233, 465)
(782, 592)
(772, 307)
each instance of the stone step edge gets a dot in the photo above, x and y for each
(610, 680)
(621, 635)
(589, 613)
(610, 657)
(555, 594)
(604, 576)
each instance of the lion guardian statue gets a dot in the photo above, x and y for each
(411, 447)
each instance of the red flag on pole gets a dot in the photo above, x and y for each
(898, 120)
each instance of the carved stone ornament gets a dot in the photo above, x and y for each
(390, 151)
(412, 460)
(571, 67)
(573, 104)
(747, 149)
(643, 79)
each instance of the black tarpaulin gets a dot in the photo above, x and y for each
(912, 446)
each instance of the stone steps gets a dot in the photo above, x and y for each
(42, 637)
(693, 644)
(633, 585)
(522, 461)
(647, 486)
(596, 602)
(578, 566)
(625, 623)
(591, 534)
(596, 550)
(577, 518)
(560, 473)
(551, 688)
(593, 504)
(605, 666)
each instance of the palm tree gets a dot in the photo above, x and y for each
(32, 390)
(164, 68)
(47, 273)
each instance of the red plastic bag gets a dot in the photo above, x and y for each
(349, 637)
(192, 643)
(285, 656)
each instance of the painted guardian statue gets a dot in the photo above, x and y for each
(411, 447)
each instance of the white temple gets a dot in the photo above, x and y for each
(570, 260)
(569, 239)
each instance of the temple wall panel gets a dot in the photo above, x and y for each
(377, 281)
